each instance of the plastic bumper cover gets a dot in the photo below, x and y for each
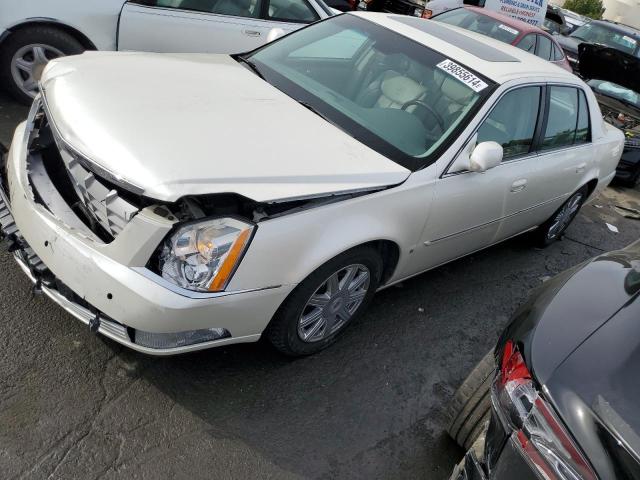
(124, 298)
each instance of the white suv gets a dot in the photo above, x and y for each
(179, 202)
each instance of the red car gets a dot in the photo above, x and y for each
(506, 29)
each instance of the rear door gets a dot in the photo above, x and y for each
(207, 26)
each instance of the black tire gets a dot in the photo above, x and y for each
(471, 406)
(282, 331)
(44, 35)
(543, 235)
(633, 181)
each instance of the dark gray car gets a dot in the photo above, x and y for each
(560, 392)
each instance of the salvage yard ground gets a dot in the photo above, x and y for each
(73, 405)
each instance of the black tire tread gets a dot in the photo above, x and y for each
(471, 404)
(45, 34)
(277, 330)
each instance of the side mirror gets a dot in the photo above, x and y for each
(274, 33)
(486, 155)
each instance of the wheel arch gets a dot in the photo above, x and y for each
(591, 187)
(50, 22)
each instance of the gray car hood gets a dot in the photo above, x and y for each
(176, 125)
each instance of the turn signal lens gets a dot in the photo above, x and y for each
(538, 432)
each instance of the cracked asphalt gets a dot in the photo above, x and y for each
(74, 405)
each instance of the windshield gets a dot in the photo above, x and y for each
(598, 33)
(616, 91)
(476, 22)
(398, 97)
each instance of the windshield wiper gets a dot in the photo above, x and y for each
(313, 109)
(251, 65)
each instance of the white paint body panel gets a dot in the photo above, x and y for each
(116, 24)
(153, 29)
(432, 217)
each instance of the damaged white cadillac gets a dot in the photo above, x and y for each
(180, 202)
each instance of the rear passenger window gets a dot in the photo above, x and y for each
(568, 118)
(528, 43)
(544, 47)
(512, 122)
(582, 132)
(557, 53)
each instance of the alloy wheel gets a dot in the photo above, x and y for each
(28, 64)
(333, 304)
(564, 216)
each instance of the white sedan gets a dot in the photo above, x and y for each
(32, 32)
(180, 202)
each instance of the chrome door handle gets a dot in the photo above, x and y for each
(581, 168)
(519, 185)
(252, 33)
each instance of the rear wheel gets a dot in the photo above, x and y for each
(26, 52)
(471, 406)
(554, 228)
(326, 302)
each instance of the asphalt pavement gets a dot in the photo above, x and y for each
(75, 405)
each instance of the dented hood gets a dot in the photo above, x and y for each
(176, 125)
(598, 62)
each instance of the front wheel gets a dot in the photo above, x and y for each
(326, 302)
(26, 52)
(552, 229)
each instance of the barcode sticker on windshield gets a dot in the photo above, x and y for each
(465, 76)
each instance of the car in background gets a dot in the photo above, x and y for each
(555, 21)
(506, 29)
(558, 397)
(342, 5)
(614, 77)
(34, 32)
(573, 20)
(379, 147)
(614, 35)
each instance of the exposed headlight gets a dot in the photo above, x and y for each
(203, 256)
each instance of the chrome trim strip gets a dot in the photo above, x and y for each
(148, 274)
(114, 330)
(478, 227)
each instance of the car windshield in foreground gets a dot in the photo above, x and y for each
(479, 23)
(398, 97)
(616, 91)
(598, 33)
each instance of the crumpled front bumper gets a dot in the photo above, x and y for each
(91, 281)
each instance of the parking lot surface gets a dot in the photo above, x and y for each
(74, 405)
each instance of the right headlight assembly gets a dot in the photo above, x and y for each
(203, 256)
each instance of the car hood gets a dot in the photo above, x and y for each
(190, 124)
(598, 62)
(596, 390)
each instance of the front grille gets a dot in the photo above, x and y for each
(632, 142)
(94, 200)
(401, 7)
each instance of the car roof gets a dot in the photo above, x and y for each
(492, 58)
(619, 27)
(524, 27)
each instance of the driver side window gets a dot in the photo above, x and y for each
(512, 122)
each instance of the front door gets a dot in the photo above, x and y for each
(473, 210)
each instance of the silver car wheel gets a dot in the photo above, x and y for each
(333, 304)
(564, 216)
(28, 64)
